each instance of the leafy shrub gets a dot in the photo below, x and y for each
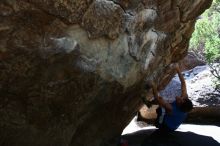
(205, 41)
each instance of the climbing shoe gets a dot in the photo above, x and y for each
(146, 102)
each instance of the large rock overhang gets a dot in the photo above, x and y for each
(72, 71)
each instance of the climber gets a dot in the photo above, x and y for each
(171, 115)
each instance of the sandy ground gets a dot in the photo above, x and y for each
(140, 134)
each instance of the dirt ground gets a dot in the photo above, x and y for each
(141, 134)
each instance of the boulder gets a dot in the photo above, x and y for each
(190, 61)
(72, 71)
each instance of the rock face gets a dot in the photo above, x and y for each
(190, 61)
(71, 71)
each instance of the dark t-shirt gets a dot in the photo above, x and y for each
(174, 119)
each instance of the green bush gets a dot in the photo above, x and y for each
(205, 41)
(207, 35)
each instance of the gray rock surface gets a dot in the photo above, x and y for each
(200, 87)
(69, 67)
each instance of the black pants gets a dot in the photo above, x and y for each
(160, 122)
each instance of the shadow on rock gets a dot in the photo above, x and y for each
(152, 137)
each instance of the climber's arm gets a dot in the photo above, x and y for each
(161, 101)
(183, 83)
